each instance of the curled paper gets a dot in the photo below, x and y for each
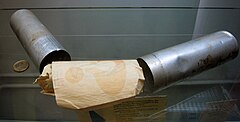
(45, 80)
(92, 84)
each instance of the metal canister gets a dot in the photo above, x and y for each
(163, 68)
(38, 42)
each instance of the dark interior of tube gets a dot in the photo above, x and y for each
(149, 81)
(59, 55)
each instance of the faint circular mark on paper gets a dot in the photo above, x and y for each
(20, 66)
(74, 74)
(111, 82)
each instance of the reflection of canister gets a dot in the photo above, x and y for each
(164, 67)
(38, 42)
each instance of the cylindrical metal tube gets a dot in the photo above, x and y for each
(38, 42)
(165, 67)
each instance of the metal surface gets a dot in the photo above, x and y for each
(165, 67)
(38, 42)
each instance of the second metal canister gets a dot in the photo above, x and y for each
(38, 42)
(165, 67)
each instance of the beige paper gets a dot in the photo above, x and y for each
(91, 84)
(45, 80)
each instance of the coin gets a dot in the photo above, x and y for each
(20, 66)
